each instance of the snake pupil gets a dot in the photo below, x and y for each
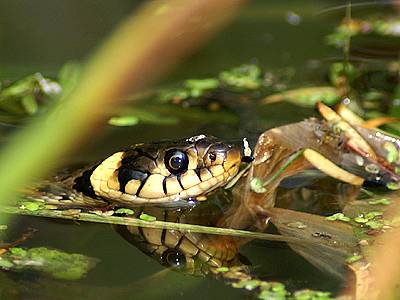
(176, 161)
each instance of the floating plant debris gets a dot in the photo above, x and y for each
(55, 263)
(124, 211)
(148, 218)
(382, 201)
(338, 217)
(353, 259)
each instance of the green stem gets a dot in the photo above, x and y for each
(128, 61)
(368, 193)
(346, 49)
(291, 159)
(129, 221)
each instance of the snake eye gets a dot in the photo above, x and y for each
(214, 157)
(176, 161)
(173, 258)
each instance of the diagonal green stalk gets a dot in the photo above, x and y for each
(129, 221)
(144, 47)
(291, 159)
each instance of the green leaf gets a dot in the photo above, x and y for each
(306, 97)
(197, 87)
(278, 287)
(312, 295)
(273, 291)
(393, 186)
(269, 295)
(143, 116)
(173, 94)
(374, 225)
(361, 219)
(69, 76)
(56, 263)
(242, 77)
(18, 251)
(247, 284)
(382, 201)
(372, 214)
(124, 121)
(22, 97)
(353, 259)
(192, 88)
(256, 185)
(392, 153)
(29, 104)
(347, 70)
(338, 217)
(222, 270)
(147, 116)
(31, 206)
(125, 211)
(146, 217)
(5, 264)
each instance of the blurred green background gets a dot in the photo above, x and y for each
(43, 35)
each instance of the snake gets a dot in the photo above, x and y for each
(154, 178)
(188, 252)
(166, 173)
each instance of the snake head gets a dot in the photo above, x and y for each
(166, 172)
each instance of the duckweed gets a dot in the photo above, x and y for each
(148, 218)
(338, 217)
(124, 211)
(353, 259)
(257, 185)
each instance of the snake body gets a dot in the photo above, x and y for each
(188, 252)
(153, 177)
(161, 173)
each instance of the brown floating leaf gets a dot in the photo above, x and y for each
(332, 242)
(363, 281)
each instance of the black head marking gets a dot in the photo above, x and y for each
(125, 174)
(82, 183)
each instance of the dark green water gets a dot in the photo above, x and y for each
(43, 36)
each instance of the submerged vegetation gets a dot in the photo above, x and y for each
(54, 263)
(335, 237)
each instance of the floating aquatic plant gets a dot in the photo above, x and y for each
(55, 263)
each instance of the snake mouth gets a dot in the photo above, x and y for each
(164, 174)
